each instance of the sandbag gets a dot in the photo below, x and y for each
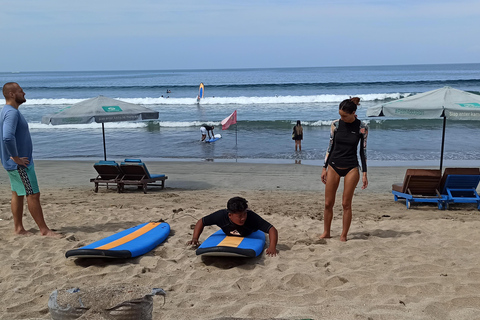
(121, 303)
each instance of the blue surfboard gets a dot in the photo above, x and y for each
(129, 243)
(215, 138)
(219, 244)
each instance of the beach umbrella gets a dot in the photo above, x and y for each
(100, 110)
(446, 102)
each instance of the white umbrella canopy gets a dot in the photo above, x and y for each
(100, 110)
(446, 102)
(449, 102)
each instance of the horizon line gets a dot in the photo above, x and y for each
(246, 68)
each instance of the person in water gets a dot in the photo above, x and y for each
(237, 220)
(206, 130)
(341, 160)
(297, 135)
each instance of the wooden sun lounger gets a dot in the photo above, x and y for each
(136, 173)
(420, 185)
(109, 172)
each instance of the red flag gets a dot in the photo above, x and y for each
(228, 121)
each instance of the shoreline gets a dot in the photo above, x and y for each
(210, 175)
(370, 163)
(207, 175)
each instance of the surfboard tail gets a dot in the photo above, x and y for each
(95, 253)
(227, 252)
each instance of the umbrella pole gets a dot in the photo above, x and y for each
(104, 147)
(443, 142)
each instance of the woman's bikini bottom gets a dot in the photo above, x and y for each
(342, 172)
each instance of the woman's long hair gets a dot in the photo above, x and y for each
(298, 128)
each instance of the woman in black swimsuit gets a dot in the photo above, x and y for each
(297, 135)
(341, 161)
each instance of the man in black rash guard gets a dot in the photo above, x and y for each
(341, 161)
(205, 129)
(237, 220)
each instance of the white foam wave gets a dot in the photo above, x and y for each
(328, 123)
(323, 98)
(319, 123)
(88, 126)
(163, 124)
(120, 125)
(175, 124)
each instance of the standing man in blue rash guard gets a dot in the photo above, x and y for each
(16, 152)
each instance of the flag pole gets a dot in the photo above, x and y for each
(236, 142)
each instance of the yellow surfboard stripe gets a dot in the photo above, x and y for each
(129, 237)
(230, 241)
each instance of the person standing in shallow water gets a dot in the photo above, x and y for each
(16, 152)
(341, 160)
(297, 135)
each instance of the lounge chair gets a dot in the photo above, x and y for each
(420, 185)
(135, 172)
(108, 172)
(459, 185)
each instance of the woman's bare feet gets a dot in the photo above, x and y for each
(24, 232)
(52, 234)
(325, 235)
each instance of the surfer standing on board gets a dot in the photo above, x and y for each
(237, 220)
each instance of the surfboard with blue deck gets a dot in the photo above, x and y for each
(201, 90)
(219, 244)
(129, 243)
(215, 138)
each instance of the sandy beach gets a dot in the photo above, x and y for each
(421, 263)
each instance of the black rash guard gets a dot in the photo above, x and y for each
(344, 139)
(253, 223)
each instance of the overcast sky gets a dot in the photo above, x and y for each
(51, 35)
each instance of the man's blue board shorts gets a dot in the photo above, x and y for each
(24, 181)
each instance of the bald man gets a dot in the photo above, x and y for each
(16, 152)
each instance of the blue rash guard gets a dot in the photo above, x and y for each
(15, 139)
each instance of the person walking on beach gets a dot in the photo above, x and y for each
(297, 135)
(16, 152)
(205, 129)
(237, 220)
(341, 161)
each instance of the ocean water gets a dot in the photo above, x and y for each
(268, 104)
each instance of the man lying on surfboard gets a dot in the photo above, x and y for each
(237, 220)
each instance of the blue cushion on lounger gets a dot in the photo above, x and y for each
(133, 160)
(106, 163)
(136, 163)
